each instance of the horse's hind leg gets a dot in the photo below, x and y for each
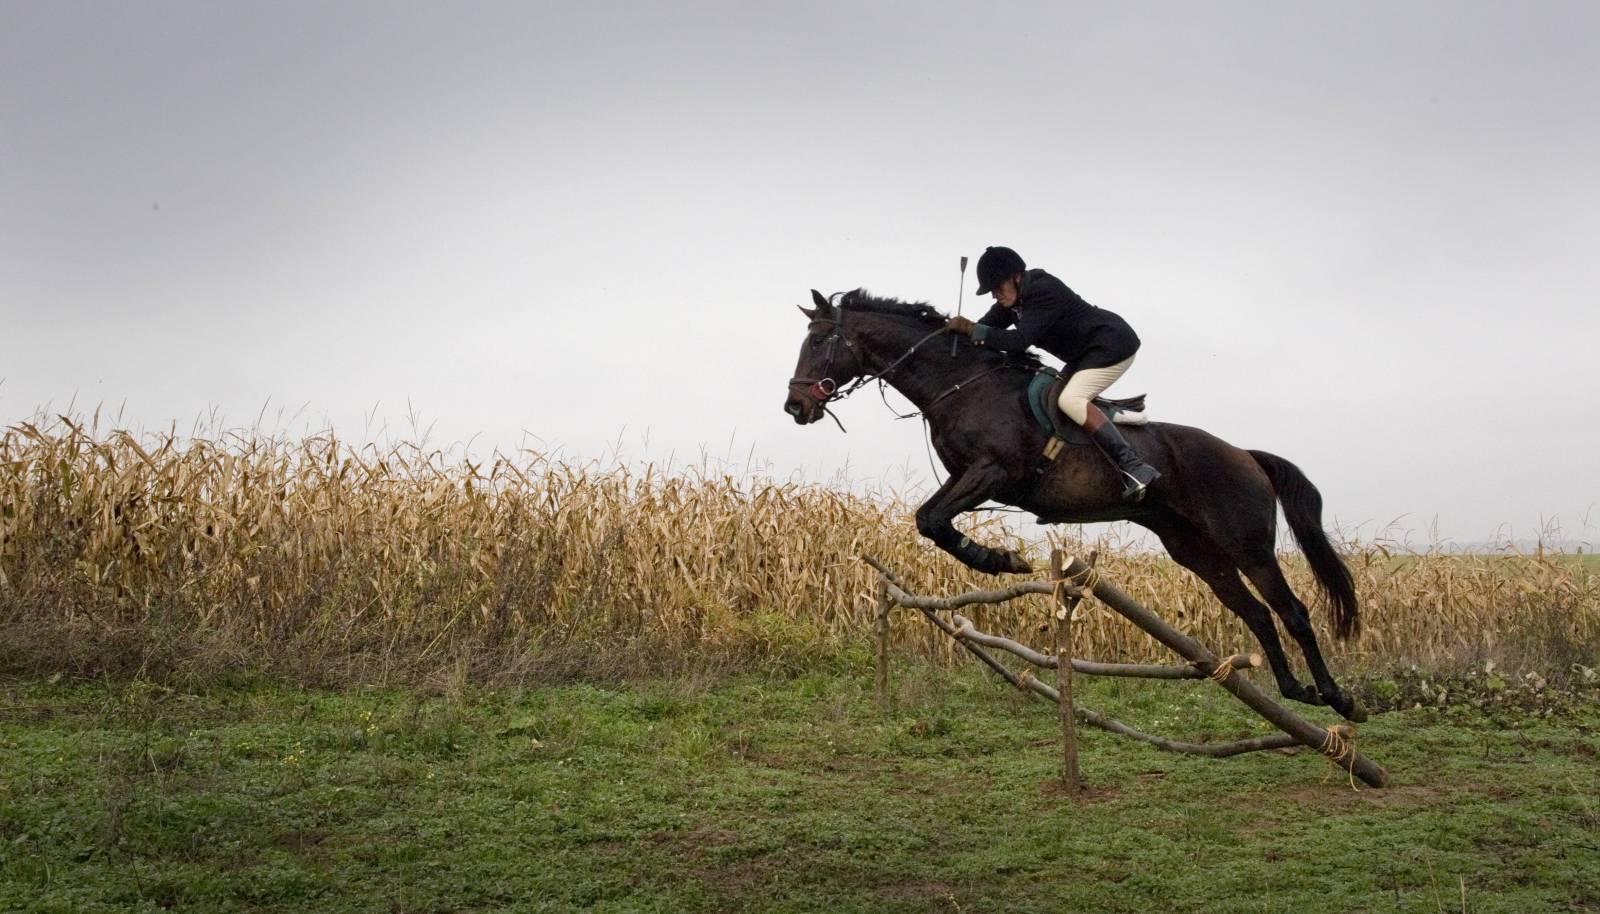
(1269, 579)
(1187, 547)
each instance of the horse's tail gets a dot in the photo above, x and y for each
(1302, 505)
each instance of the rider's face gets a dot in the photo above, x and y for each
(1005, 294)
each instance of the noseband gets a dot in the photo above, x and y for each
(825, 389)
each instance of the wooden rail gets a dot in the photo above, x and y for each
(1072, 580)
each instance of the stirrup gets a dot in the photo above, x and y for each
(1136, 488)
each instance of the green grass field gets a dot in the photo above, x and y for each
(770, 794)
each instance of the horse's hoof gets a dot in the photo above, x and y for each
(1350, 709)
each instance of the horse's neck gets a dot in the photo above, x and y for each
(925, 374)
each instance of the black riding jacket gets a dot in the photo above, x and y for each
(1056, 319)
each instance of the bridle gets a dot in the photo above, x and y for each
(825, 390)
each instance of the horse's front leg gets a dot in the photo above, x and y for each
(960, 494)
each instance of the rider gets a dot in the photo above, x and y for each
(1096, 345)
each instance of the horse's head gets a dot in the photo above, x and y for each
(828, 360)
(856, 339)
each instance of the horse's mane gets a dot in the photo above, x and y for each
(924, 313)
(862, 300)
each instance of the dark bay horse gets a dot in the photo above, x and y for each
(1214, 508)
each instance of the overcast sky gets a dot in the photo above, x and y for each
(1365, 236)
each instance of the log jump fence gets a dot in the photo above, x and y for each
(1070, 581)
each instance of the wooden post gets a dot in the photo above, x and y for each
(1064, 653)
(883, 646)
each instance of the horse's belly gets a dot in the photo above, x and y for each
(1081, 488)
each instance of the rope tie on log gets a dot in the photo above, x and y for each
(1061, 589)
(1339, 746)
(1224, 669)
(1089, 579)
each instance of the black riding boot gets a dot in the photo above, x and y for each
(1105, 435)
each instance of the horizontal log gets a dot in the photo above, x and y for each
(900, 596)
(1028, 682)
(973, 649)
(1214, 750)
(964, 629)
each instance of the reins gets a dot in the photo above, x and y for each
(826, 390)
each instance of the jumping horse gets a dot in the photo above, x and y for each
(1214, 507)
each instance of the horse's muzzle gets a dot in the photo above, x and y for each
(803, 409)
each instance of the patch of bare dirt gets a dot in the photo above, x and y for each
(918, 890)
(1573, 748)
(303, 843)
(1087, 793)
(695, 840)
(738, 877)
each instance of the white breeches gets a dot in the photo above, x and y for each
(1087, 384)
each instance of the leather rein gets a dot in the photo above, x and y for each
(825, 390)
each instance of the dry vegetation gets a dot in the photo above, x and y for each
(308, 558)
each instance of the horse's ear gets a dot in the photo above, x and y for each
(823, 305)
(810, 314)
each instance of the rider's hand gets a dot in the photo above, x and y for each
(959, 324)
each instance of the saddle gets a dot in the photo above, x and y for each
(1044, 395)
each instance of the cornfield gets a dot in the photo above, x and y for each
(327, 562)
